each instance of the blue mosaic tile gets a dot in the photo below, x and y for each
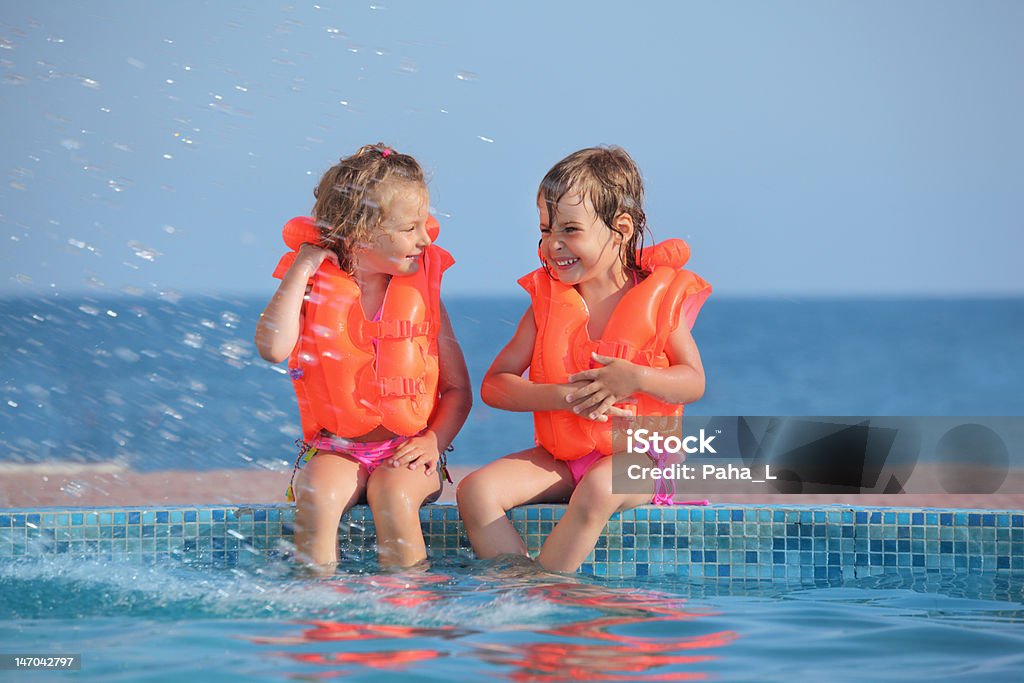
(742, 542)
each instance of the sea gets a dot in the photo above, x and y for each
(174, 382)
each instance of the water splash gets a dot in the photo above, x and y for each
(144, 252)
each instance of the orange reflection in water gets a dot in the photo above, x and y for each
(610, 656)
(616, 657)
(389, 660)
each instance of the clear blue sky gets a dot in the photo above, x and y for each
(802, 148)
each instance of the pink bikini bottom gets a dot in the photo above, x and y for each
(664, 489)
(369, 454)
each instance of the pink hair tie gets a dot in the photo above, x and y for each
(386, 152)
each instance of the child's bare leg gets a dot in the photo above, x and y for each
(589, 509)
(325, 488)
(530, 476)
(395, 495)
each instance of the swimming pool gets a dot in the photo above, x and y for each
(727, 592)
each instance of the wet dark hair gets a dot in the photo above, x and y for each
(351, 196)
(611, 180)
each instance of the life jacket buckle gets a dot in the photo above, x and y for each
(613, 349)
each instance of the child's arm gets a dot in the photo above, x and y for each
(278, 326)
(504, 385)
(456, 398)
(681, 382)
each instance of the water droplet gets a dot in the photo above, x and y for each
(74, 488)
(127, 355)
(167, 436)
(235, 350)
(143, 252)
(467, 76)
(485, 139)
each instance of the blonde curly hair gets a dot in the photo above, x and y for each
(351, 196)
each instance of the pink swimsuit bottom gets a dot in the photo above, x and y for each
(369, 454)
(664, 490)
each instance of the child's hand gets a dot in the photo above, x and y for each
(616, 380)
(310, 257)
(570, 392)
(419, 450)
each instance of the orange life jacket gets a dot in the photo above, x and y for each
(352, 375)
(637, 331)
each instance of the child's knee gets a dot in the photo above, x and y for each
(311, 496)
(594, 497)
(387, 498)
(474, 490)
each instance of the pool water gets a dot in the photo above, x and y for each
(463, 620)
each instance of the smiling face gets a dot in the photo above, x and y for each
(396, 244)
(578, 246)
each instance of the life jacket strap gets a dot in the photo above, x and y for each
(401, 386)
(399, 329)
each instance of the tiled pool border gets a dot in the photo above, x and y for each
(720, 541)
